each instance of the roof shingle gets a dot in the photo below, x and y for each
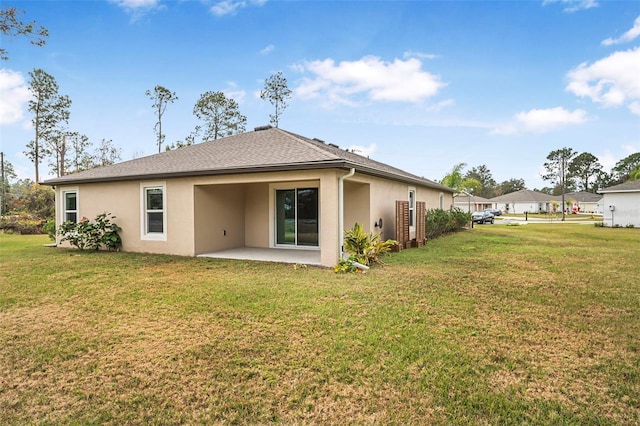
(260, 150)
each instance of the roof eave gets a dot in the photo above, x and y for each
(341, 164)
(195, 173)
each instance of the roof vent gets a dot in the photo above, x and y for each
(259, 128)
(334, 145)
(318, 140)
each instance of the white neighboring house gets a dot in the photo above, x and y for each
(523, 201)
(621, 204)
(471, 204)
(584, 202)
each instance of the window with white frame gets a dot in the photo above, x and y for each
(154, 218)
(70, 206)
(441, 201)
(412, 207)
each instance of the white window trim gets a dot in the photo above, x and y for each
(412, 209)
(272, 213)
(441, 201)
(152, 236)
(63, 204)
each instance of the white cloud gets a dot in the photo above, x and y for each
(399, 81)
(608, 160)
(136, 4)
(542, 121)
(227, 7)
(573, 5)
(268, 49)
(630, 149)
(230, 7)
(365, 151)
(419, 55)
(612, 81)
(439, 106)
(14, 94)
(630, 35)
(138, 8)
(232, 91)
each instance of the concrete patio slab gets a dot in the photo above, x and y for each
(306, 257)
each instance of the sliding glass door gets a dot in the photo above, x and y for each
(297, 217)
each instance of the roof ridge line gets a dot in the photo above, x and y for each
(311, 144)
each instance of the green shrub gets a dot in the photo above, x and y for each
(50, 229)
(440, 222)
(92, 236)
(365, 247)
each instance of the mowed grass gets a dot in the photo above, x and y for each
(535, 324)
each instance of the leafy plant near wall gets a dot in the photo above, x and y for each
(365, 247)
(92, 236)
(439, 222)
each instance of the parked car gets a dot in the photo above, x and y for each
(494, 212)
(482, 217)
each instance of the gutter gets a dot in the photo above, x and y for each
(341, 209)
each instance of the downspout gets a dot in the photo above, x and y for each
(341, 208)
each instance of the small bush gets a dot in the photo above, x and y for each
(599, 224)
(50, 229)
(440, 222)
(92, 236)
(363, 247)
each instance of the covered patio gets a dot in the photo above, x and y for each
(282, 255)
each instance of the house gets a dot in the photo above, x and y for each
(471, 203)
(268, 194)
(584, 202)
(525, 201)
(622, 204)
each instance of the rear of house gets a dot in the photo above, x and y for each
(267, 189)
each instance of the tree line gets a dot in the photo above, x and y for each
(565, 169)
(70, 151)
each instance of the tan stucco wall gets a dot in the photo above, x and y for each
(219, 217)
(256, 215)
(243, 206)
(383, 194)
(356, 205)
(123, 200)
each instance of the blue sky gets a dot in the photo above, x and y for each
(420, 85)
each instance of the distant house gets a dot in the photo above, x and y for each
(621, 204)
(525, 201)
(267, 194)
(584, 202)
(471, 204)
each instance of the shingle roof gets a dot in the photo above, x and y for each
(633, 186)
(525, 196)
(269, 149)
(583, 197)
(474, 199)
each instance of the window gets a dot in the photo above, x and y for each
(412, 207)
(441, 201)
(154, 223)
(297, 217)
(70, 206)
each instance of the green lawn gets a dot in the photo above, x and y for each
(495, 325)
